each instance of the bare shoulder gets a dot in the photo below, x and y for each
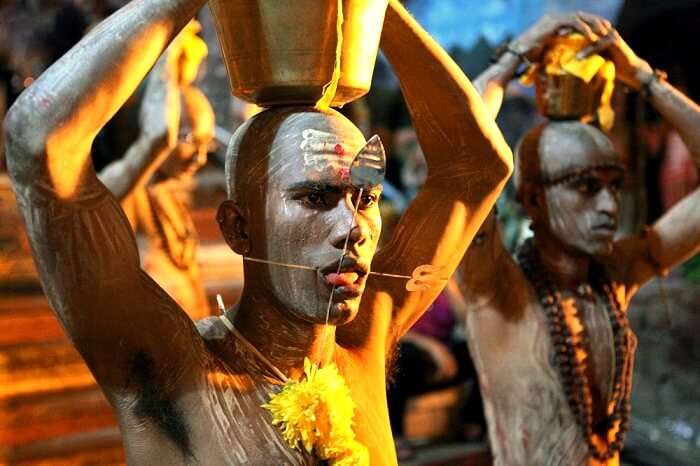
(488, 277)
(632, 262)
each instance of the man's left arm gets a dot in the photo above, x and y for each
(468, 165)
(675, 237)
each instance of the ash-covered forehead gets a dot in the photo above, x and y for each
(556, 148)
(290, 141)
(569, 146)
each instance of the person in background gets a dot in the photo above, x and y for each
(154, 178)
(433, 355)
(549, 332)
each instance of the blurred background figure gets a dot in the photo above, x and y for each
(154, 179)
(431, 357)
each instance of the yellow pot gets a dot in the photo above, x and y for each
(281, 52)
(566, 97)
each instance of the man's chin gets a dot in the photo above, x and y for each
(598, 248)
(340, 313)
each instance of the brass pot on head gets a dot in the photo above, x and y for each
(567, 97)
(572, 88)
(283, 52)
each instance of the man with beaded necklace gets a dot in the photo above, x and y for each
(550, 337)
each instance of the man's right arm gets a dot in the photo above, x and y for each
(119, 319)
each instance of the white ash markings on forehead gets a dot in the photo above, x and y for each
(322, 150)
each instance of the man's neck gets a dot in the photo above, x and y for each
(565, 268)
(283, 339)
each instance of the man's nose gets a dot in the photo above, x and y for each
(608, 201)
(348, 225)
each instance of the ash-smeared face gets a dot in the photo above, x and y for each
(309, 219)
(583, 180)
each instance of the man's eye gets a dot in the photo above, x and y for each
(314, 199)
(368, 200)
(618, 185)
(587, 185)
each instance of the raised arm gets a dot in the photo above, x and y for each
(127, 329)
(675, 237)
(468, 165)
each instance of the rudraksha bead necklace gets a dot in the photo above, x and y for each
(571, 370)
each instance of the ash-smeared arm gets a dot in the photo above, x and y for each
(82, 243)
(468, 165)
(675, 237)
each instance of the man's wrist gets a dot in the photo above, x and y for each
(510, 51)
(647, 76)
(508, 63)
(644, 73)
(519, 49)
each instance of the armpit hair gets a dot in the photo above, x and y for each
(155, 405)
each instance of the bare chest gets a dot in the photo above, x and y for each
(524, 393)
(220, 420)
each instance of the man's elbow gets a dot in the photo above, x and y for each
(23, 146)
(502, 164)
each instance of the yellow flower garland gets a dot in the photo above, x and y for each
(316, 414)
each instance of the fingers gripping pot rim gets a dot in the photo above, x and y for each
(283, 53)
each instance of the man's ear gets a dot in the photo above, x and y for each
(532, 199)
(234, 227)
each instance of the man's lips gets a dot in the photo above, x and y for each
(342, 279)
(347, 276)
(605, 228)
(604, 232)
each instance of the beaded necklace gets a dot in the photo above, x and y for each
(572, 371)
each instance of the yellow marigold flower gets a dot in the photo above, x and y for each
(315, 414)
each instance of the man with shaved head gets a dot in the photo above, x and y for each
(549, 333)
(303, 213)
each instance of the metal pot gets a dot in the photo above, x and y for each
(280, 52)
(566, 97)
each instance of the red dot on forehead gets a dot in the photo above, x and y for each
(339, 149)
